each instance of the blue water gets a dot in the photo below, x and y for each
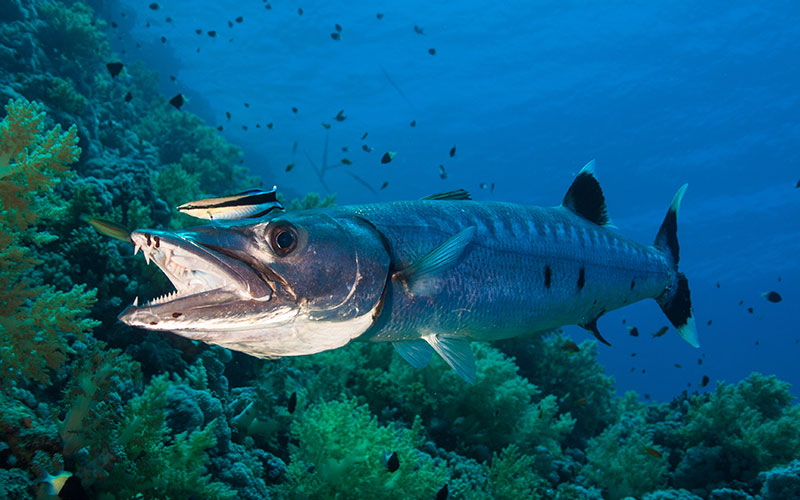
(659, 93)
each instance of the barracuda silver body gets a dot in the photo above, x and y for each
(428, 275)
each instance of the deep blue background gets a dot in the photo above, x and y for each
(660, 93)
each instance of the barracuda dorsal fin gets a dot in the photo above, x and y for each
(419, 277)
(458, 194)
(417, 352)
(457, 354)
(585, 197)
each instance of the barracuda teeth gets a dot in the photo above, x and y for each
(136, 301)
(167, 257)
(146, 256)
(137, 248)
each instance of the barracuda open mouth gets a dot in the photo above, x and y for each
(199, 274)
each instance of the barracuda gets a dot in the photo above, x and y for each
(428, 275)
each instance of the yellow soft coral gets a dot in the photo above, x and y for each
(35, 319)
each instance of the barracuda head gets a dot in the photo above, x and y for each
(299, 283)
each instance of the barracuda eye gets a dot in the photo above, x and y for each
(283, 239)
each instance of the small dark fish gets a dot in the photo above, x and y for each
(491, 189)
(114, 68)
(773, 296)
(340, 116)
(432, 51)
(580, 402)
(677, 365)
(344, 149)
(108, 228)
(442, 172)
(177, 101)
(292, 404)
(346, 161)
(717, 284)
(300, 11)
(750, 310)
(258, 125)
(453, 151)
(128, 97)
(289, 167)
(244, 127)
(294, 109)
(113, 24)
(198, 31)
(219, 127)
(741, 302)
(172, 77)
(163, 39)
(212, 33)
(442, 493)
(326, 126)
(239, 19)
(705, 381)
(247, 204)
(385, 185)
(661, 331)
(366, 148)
(633, 331)
(246, 104)
(570, 346)
(336, 36)
(633, 354)
(418, 30)
(413, 123)
(393, 463)
(269, 125)
(338, 27)
(797, 185)
(379, 15)
(654, 452)
(168, 19)
(699, 361)
(364, 136)
(154, 6)
(269, 7)
(387, 157)
(228, 115)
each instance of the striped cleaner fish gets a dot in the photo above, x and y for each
(249, 204)
(428, 275)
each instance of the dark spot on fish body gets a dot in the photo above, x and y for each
(177, 315)
(548, 274)
(157, 241)
(153, 323)
(581, 278)
(147, 236)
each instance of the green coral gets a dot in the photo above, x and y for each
(341, 451)
(72, 31)
(754, 422)
(36, 320)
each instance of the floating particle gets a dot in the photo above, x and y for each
(379, 15)
(172, 77)
(294, 147)
(442, 493)
(340, 116)
(633, 331)
(326, 126)
(258, 125)
(212, 33)
(364, 136)
(154, 6)
(338, 27)
(268, 7)
(300, 11)
(484, 185)
(169, 19)
(230, 24)
(442, 172)
(780, 279)
(418, 30)
(292, 404)
(388, 156)
(219, 127)
(385, 185)
(677, 365)
(244, 127)
(289, 167)
(366, 148)
(453, 151)
(393, 463)
(336, 36)
(709, 323)
(491, 189)
(432, 51)
(699, 361)
(346, 161)
(661, 331)
(114, 68)
(239, 19)
(704, 382)
(128, 97)
(247, 105)
(773, 296)
(163, 39)
(147, 25)
(633, 354)
(228, 115)
(717, 284)
(177, 101)
(294, 109)
(741, 302)
(413, 123)
(113, 24)
(624, 321)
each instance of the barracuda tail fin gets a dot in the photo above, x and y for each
(676, 301)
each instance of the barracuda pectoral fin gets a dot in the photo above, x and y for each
(417, 352)
(456, 353)
(421, 277)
